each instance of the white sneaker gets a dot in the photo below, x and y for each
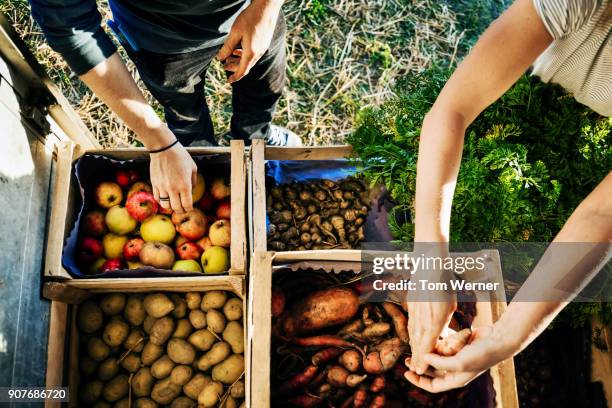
(279, 136)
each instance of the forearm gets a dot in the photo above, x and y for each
(113, 84)
(578, 252)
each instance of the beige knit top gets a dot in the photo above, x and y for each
(580, 56)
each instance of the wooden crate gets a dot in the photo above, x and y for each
(66, 193)
(260, 289)
(259, 154)
(62, 351)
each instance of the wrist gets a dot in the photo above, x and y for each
(157, 138)
(272, 6)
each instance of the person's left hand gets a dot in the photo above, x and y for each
(249, 38)
(486, 348)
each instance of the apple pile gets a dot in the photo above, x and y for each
(130, 230)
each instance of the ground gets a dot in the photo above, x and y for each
(343, 55)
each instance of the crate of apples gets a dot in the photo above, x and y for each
(128, 230)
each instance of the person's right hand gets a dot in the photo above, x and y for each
(173, 173)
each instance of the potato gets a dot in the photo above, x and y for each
(183, 402)
(215, 355)
(237, 390)
(243, 405)
(180, 351)
(148, 323)
(230, 402)
(134, 341)
(211, 394)
(89, 317)
(234, 335)
(164, 391)
(161, 331)
(87, 365)
(134, 311)
(102, 404)
(115, 332)
(233, 309)
(91, 391)
(108, 369)
(215, 320)
(181, 374)
(162, 367)
(158, 305)
(214, 299)
(122, 403)
(180, 306)
(142, 382)
(193, 299)
(202, 339)
(194, 387)
(116, 388)
(150, 353)
(131, 362)
(97, 349)
(183, 329)
(145, 403)
(229, 370)
(112, 304)
(197, 318)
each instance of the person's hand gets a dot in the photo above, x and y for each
(429, 312)
(487, 347)
(173, 173)
(249, 38)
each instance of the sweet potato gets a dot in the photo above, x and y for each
(304, 401)
(375, 330)
(321, 309)
(384, 356)
(299, 380)
(360, 397)
(354, 380)
(452, 344)
(378, 384)
(351, 360)
(378, 401)
(400, 321)
(350, 328)
(323, 340)
(278, 301)
(337, 375)
(325, 355)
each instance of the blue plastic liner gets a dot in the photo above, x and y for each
(376, 226)
(89, 171)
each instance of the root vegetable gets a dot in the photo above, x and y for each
(351, 360)
(134, 341)
(360, 397)
(158, 305)
(183, 402)
(142, 382)
(148, 322)
(277, 245)
(237, 390)
(215, 321)
(183, 329)
(181, 374)
(87, 364)
(350, 328)
(234, 335)
(453, 343)
(375, 330)
(161, 330)
(197, 318)
(215, 355)
(214, 299)
(372, 363)
(202, 339)
(193, 299)
(150, 353)
(320, 309)
(91, 391)
(115, 332)
(131, 362)
(112, 304)
(233, 309)
(180, 306)
(337, 375)
(180, 351)
(97, 349)
(162, 367)
(378, 384)
(338, 224)
(325, 355)
(323, 340)
(400, 321)
(108, 369)
(116, 388)
(378, 401)
(300, 380)
(354, 380)
(278, 301)
(165, 391)
(194, 387)
(304, 401)
(229, 370)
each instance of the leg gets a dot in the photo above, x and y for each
(254, 97)
(176, 81)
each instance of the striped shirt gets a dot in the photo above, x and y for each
(580, 56)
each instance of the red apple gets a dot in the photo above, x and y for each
(131, 249)
(141, 205)
(179, 240)
(204, 243)
(224, 209)
(206, 202)
(94, 224)
(112, 265)
(165, 211)
(90, 249)
(189, 250)
(138, 187)
(220, 188)
(191, 224)
(108, 194)
(126, 177)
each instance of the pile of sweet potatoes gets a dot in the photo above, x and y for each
(330, 350)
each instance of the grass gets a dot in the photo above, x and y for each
(343, 56)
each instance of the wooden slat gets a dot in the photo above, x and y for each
(259, 196)
(59, 212)
(308, 153)
(58, 322)
(238, 251)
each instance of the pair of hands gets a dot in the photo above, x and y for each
(173, 171)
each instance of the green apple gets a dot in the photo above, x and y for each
(135, 265)
(187, 265)
(215, 260)
(95, 267)
(158, 228)
(113, 245)
(198, 188)
(119, 221)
